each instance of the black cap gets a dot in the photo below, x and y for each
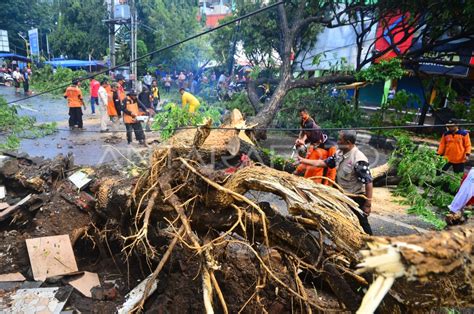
(75, 81)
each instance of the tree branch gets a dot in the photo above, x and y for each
(316, 81)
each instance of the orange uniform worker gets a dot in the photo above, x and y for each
(320, 150)
(75, 101)
(111, 111)
(455, 146)
(130, 114)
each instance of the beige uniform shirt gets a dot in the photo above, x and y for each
(346, 175)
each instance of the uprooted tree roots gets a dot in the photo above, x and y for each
(305, 259)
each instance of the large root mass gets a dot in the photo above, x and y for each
(199, 227)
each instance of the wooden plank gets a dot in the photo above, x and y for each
(85, 283)
(12, 209)
(51, 256)
(12, 277)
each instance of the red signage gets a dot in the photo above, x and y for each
(394, 33)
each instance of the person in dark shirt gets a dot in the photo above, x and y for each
(310, 131)
(116, 99)
(145, 103)
(130, 110)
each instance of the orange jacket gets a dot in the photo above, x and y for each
(131, 107)
(74, 97)
(454, 146)
(319, 153)
(111, 111)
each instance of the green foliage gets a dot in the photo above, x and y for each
(174, 117)
(328, 111)
(44, 79)
(444, 91)
(79, 30)
(240, 101)
(123, 55)
(424, 190)
(13, 127)
(459, 108)
(279, 162)
(22, 15)
(168, 22)
(382, 71)
(259, 47)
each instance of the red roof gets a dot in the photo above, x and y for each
(212, 20)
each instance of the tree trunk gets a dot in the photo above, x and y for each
(315, 232)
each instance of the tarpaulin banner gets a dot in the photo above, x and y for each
(34, 41)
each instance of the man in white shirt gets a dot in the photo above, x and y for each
(16, 75)
(103, 101)
(147, 80)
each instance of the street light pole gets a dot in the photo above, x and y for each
(26, 43)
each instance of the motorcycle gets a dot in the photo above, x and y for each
(5, 78)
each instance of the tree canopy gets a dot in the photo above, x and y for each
(162, 23)
(21, 16)
(292, 27)
(80, 29)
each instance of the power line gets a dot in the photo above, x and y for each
(373, 128)
(245, 16)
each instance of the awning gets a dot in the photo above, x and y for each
(14, 56)
(75, 63)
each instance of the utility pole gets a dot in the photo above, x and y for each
(47, 46)
(133, 44)
(112, 34)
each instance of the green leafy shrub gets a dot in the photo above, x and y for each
(423, 189)
(13, 127)
(279, 162)
(174, 117)
(45, 79)
(240, 101)
(382, 71)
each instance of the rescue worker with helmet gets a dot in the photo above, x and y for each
(130, 113)
(73, 94)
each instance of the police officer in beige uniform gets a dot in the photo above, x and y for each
(353, 174)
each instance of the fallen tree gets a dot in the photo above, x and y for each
(186, 213)
(206, 209)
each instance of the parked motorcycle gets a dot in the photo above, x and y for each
(5, 78)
